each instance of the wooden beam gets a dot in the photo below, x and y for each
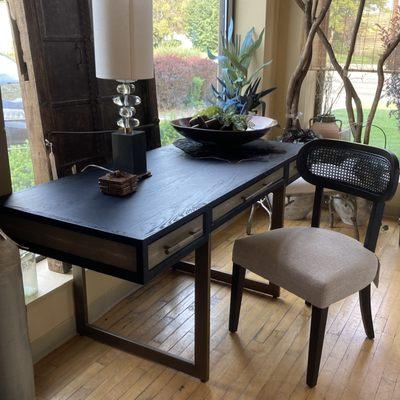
(5, 174)
(25, 34)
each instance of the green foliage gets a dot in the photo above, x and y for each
(202, 23)
(342, 12)
(21, 166)
(228, 118)
(238, 88)
(168, 49)
(195, 93)
(168, 133)
(209, 112)
(167, 19)
(342, 16)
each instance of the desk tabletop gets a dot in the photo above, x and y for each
(181, 187)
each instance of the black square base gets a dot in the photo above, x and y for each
(129, 152)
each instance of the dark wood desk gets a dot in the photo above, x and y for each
(172, 214)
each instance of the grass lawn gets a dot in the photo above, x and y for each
(384, 121)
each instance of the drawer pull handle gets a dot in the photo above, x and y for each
(194, 234)
(256, 194)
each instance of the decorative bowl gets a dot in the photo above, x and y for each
(261, 126)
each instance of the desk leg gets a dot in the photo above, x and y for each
(201, 364)
(80, 298)
(202, 311)
(277, 218)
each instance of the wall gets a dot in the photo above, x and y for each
(248, 15)
(283, 20)
(51, 320)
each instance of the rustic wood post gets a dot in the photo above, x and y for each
(5, 175)
(16, 366)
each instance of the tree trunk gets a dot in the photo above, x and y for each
(301, 70)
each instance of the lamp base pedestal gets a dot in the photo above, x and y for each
(129, 152)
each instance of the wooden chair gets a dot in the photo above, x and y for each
(322, 266)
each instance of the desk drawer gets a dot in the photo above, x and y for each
(254, 192)
(293, 170)
(174, 241)
(78, 244)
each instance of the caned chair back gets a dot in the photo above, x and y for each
(356, 169)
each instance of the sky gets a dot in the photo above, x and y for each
(6, 40)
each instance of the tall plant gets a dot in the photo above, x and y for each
(354, 106)
(238, 86)
(314, 15)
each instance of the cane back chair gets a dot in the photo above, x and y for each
(319, 265)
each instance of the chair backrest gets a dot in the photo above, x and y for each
(356, 169)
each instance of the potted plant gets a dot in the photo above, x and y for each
(237, 95)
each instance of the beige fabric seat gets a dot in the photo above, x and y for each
(319, 265)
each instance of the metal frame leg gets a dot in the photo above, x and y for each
(202, 311)
(399, 230)
(249, 224)
(265, 203)
(200, 368)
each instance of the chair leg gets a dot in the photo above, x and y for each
(317, 334)
(238, 275)
(365, 306)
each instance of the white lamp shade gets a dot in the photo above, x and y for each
(123, 39)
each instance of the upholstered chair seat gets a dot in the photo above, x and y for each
(319, 265)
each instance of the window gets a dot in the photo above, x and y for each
(377, 13)
(183, 32)
(14, 115)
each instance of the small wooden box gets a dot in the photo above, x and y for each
(118, 183)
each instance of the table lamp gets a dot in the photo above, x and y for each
(123, 41)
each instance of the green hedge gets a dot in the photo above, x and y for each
(168, 133)
(21, 166)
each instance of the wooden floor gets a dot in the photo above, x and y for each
(267, 357)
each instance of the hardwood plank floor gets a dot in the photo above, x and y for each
(267, 357)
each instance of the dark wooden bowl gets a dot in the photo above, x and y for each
(262, 125)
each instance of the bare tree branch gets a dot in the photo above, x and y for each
(351, 94)
(354, 35)
(315, 9)
(381, 81)
(304, 61)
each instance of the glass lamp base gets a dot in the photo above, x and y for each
(127, 101)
